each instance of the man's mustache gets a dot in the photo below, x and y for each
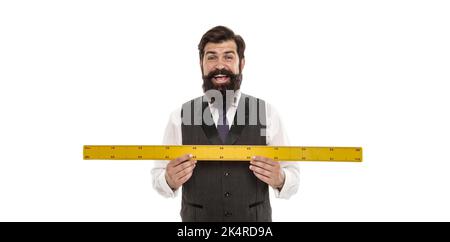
(216, 72)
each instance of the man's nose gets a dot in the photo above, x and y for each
(220, 66)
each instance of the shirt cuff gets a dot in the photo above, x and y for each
(284, 192)
(166, 189)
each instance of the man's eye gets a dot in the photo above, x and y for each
(211, 58)
(229, 57)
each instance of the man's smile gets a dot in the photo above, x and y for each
(221, 79)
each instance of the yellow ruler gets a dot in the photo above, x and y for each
(221, 152)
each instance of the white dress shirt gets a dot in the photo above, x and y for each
(275, 136)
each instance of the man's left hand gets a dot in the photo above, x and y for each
(268, 171)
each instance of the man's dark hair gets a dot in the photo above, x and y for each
(220, 34)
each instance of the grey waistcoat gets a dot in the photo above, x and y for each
(225, 190)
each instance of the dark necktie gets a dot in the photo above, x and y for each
(222, 125)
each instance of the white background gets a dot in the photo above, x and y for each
(341, 73)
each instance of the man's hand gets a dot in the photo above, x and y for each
(268, 171)
(179, 171)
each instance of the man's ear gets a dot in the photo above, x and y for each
(242, 64)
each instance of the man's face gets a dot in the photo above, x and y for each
(220, 62)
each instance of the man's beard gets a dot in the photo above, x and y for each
(233, 84)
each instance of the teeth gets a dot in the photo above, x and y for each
(220, 76)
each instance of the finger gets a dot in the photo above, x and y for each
(260, 171)
(183, 165)
(188, 168)
(264, 159)
(173, 171)
(186, 163)
(185, 177)
(262, 165)
(262, 178)
(180, 159)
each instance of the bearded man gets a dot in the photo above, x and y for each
(225, 191)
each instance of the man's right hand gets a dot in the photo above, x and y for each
(179, 171)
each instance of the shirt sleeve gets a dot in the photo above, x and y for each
(172, 136)
(276, 136)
